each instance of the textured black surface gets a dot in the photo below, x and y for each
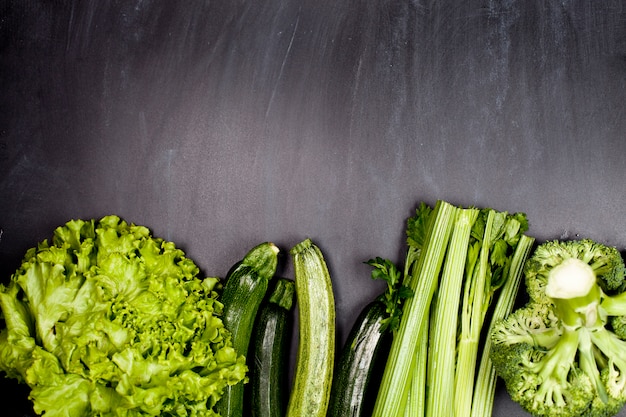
(221, 124)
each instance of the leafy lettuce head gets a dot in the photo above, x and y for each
(107, 320)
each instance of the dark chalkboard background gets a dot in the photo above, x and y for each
(221, 124)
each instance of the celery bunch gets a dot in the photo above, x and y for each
(458, 262)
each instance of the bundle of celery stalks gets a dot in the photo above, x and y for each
(459, 262)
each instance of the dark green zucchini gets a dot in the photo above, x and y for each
(269, 353)
(360, 364)
(245, 288)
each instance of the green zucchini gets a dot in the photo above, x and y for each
(360, 363)
(269, 353)
(245, 288)
(316, 349)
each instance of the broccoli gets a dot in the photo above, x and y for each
(564, 352)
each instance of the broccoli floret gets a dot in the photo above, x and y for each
(536, 363)
(618, 323)
(605, 261)
(564, 353)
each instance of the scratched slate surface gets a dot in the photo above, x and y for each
(223, 124)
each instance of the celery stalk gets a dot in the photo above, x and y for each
(497, 234)
(484, 394)
(444, 318)
(416, 400)
(471, 325)
(423, 281)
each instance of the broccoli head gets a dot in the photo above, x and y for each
(564, 353)
(605, 261)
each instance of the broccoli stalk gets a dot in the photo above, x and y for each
(559, 355)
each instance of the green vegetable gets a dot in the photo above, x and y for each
(316, 349)
(358, 369)
(495, 236)
(440, 399)
(559, 355)
(485, 385)
(107, 320)
(423, 264)
(245, 288)
(394, 295)
(457, 260)
(356, 373)
(416, 406)
(269, 353)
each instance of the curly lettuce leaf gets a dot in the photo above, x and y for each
(107, 320)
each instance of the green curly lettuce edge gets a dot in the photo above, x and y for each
(107, 320)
